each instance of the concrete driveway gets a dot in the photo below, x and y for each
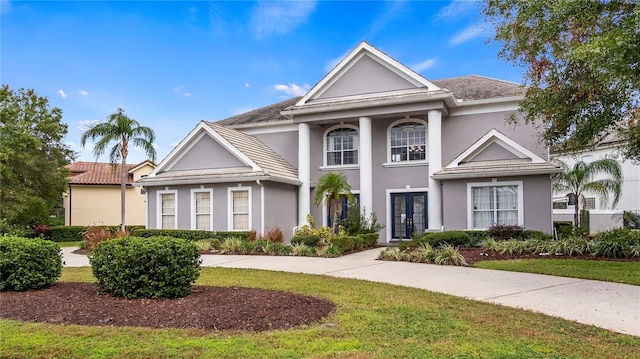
(606, 305)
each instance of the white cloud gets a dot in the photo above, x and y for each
(61, 92)
(84, 93)
(279, 17)
(293, 89)
(186, 94)
(467, 34)
(457, 9)
(424, 65)
(247, 84)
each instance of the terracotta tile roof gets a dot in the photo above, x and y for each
(98, 173)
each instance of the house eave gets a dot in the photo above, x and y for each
(495, 173)
(149, 182)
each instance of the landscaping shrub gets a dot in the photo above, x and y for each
(275, 235)
(222, 235)
(28, 263)
(477, 236)
(152, 267)
(67, 233)
(191, 235)
(502, 232)
(436, 239)
(96, 234)
(311, 240)
(537, 235)
(616, 243)
(42, 231)
(358, 222)
(345, 243)
(369, 240)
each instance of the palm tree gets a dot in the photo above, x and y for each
(579, 179)
(122, 130)
(333, 187)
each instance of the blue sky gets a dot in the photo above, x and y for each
(171, 64)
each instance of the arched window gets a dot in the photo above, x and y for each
(408, 141)
(341, 146)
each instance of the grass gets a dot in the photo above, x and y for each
(372, 320)
(609, 271)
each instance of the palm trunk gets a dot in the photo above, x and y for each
(123, 192)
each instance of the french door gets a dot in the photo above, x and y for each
(409, 214)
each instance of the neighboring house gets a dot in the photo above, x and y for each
(423, 155)
(93, 196)
(602, 216)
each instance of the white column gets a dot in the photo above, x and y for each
(366, 165)
(304, 172)
(435, 163)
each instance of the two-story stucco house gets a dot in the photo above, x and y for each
(423, 155)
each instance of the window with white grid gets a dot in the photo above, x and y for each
(408, 142)
(341, 146)
(240, 209)
(495, 204)
(167, 209)
(202, 209)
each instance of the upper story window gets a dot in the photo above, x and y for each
(341, 146)
(408, 141)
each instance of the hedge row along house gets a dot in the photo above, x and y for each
(423, 155)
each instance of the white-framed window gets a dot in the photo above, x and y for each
(494, 203)
(589, 203)
(341, 145)
(202, 209)
(239, 199)
(407, 141)
(167, 209)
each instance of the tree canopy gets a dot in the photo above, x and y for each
(120, 130)
(32, 156)
(331, 188)
(582, 61)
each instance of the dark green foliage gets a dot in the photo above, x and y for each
(357, 221)
(533, 234)
(436, 239)
(311, 240)
(355, 243)
(28, 263)
(564, 229)
(33, 154)
(631, 220)
(477, 235)
(191, 235)
(369, 240)
(501, 232)
(67, 233)
(153, 267)
(616, 243)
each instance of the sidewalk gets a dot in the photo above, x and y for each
(606, 305)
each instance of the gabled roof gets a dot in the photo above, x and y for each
(265, 114)
(525, 163)
(474, 87)
(261, 161)
(362, 50)
(100, 173)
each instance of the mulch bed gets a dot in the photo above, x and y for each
(474, 255)
(208, 308)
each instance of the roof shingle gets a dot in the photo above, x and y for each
(98, 173)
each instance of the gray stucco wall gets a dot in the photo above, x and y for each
(460, 132)
(494, 152)
(281, 203)
(205, 154)
(358, 80)
(220, 205)
(536, 201)
(283, 143)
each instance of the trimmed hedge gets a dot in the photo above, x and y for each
(435, 239)
(357, 242)
(312, 240)
(188, 234)
(153, 267)
(75, 233)
(28, 263)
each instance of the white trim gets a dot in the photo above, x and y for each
(493, 105)
(159, 207)
(388, 214)
(426, 139)
(192, 206)
(352, 58)
(519, 184)
(192, 138)
(304, 172)
(495, 136)
(324, 208)
(406, 164)
(339, 168)
(230, 212)
(324, 145)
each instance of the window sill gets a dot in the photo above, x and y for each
(405, 164)
(344, 167)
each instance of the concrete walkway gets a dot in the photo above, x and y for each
(606, 305)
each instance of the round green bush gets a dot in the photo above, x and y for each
(152, 267)
(27, 263)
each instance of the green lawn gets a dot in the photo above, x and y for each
(618, 272)
(70, 244)
(372, 320)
